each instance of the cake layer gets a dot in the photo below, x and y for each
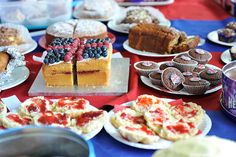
(93, 64)
(58, 74)
(93, 78)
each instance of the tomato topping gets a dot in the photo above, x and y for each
(178, 128)
(143, 129)
(72, 102)
(118, 108)
(87, 116)
(176, 102)
(16, 118)
(49, 118)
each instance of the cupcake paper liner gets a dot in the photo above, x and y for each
(184, 67)
(201, 89)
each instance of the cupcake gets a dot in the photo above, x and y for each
(172, 79)
(189, 74)
(231, 25)
(212, 75)
(200, 55)
(199, 68)
(144, 68)
(227, 35)
(184, 63)
(155, 77)
(232, 52)
(196, 85)
(165, 65)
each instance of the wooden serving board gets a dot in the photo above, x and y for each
(119, 82)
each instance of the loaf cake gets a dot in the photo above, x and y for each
(74, 61)
(160, 39)
(76, 29)
(9, 36)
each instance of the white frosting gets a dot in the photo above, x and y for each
(233, 49)
(195, 79)
(89, 28)
(186, 58)
(200, 51)
(62, 29)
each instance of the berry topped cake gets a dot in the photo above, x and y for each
(70, 61)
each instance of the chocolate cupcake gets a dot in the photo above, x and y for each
(165, 65)
(172, 79)
(227, 35)
(189, 74)
(232, 52)
(200, 55)
(144, 68)
(184, 63)
(199, 68)
(231, 25)
(212, 75)
(155, 77)
(196, 85)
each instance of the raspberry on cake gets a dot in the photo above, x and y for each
(35, 105)
(89, 121)
(12, 120)
(138, 133)
(74, 61)
(73, 106)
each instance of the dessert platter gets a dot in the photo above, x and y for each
(144, 2)
(150, 122)
(104, 10)
(69, 112)
(186, 74)
(224, 36)
(17, 36)
(12, 68)
(80, 67)
(164, 41)
(131, 16)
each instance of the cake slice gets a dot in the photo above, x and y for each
(4, 59)
(94, 69)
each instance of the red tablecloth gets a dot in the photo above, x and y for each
(136, 87)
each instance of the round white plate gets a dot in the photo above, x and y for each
(113, 26)
(147, 82)
(29, 47)
(145, 53)
(213, 36)
(225, 57)
(18, 76)
(205, 126)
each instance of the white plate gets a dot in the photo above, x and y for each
(18, 76)
(113, 26)
(166, 2)
(29, 47)
(225, 57)
(205, 126)
(145, 53)
(213, 36)
(147, 82)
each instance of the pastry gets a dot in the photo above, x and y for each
(92, 9)
(189, 74)
(12, 120)
(199, 68)
(155, 77)
(3, 108)
(145, 67)
(200, 55)
(163, 66)
(210, 146)
(212, 75)
(4, 59)
(196, 85)
(226, 35)
(89, 121)
(34, 106)
(76, 29)
(10, 36)
(184, 63)
(231, 25)
(138, 134)
(159, 39)
(232, 52)
(172, 79)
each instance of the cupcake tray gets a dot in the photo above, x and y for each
(118, 83)
(147, 82)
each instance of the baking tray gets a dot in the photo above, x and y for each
(119, 81)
